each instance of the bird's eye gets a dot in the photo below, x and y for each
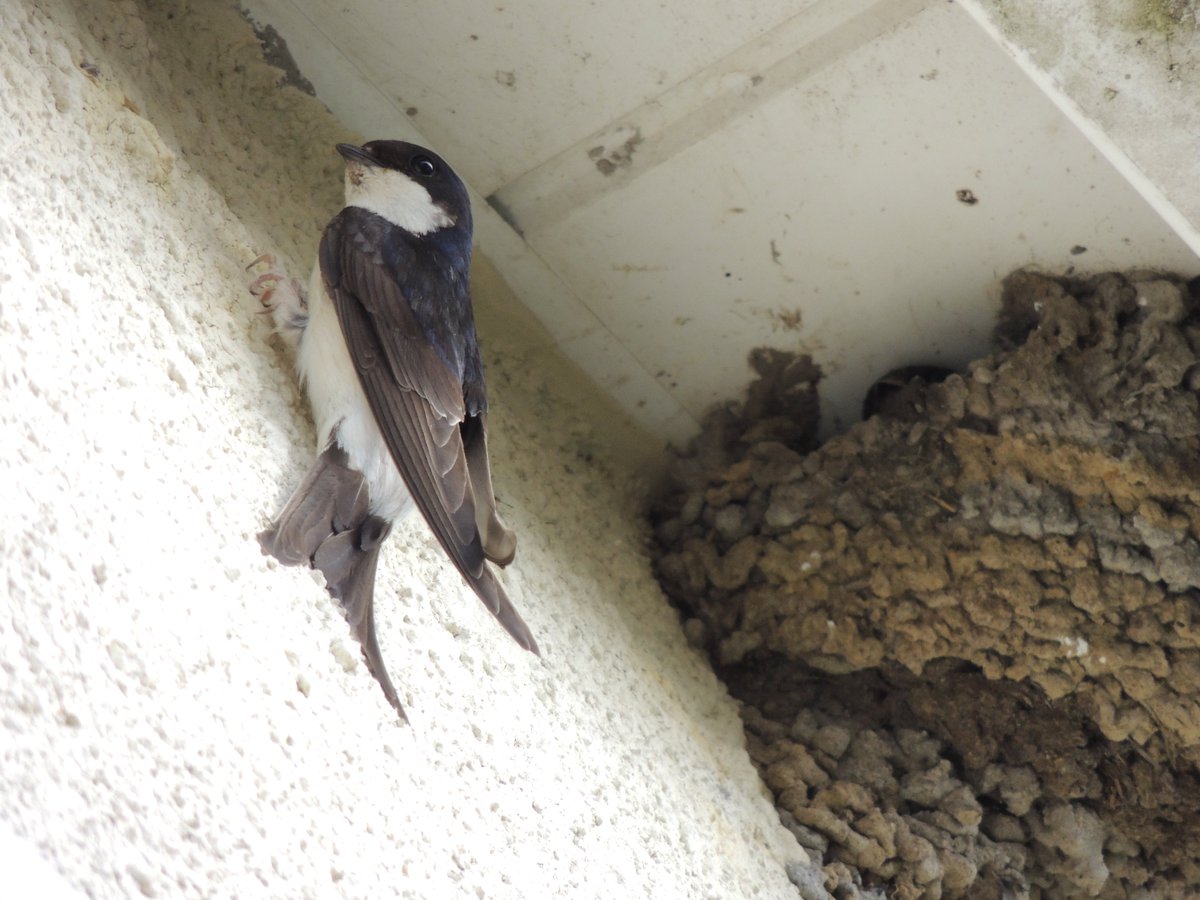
(424, 166)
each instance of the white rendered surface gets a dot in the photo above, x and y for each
(180, 717)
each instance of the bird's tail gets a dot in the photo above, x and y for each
(326, 525)
(488, 589)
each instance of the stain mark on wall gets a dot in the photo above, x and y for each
(620, 157)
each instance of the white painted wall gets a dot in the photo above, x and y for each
(181, 717)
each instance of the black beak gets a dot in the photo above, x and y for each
(352, 153)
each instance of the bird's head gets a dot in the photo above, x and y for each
(408, 185)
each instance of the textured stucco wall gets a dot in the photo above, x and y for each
(179, 716)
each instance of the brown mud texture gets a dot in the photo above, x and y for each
(966, 633)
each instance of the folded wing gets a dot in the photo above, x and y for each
(419, 402)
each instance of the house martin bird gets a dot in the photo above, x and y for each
(385, 345)
(900, 394)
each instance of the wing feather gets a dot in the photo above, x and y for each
(417, 398)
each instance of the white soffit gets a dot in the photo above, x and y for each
(687, 181)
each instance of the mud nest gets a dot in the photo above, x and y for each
(966, 633)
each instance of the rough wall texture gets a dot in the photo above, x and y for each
(969, 629)
(179, 716)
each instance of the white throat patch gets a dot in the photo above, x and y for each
(396, 197)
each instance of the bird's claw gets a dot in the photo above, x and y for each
(267, 285)
(279, 294)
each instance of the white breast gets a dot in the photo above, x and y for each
(340, 407)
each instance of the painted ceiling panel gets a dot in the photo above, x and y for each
(829, 219)
(682, 182)
(511, 84)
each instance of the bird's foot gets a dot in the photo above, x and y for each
(280, 295)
